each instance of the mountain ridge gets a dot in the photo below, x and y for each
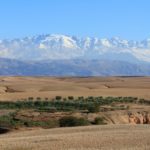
(55, 46)
(72, 68)
(61, 55)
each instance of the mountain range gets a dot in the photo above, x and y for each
(62, 55)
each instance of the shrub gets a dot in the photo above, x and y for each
(44, 124)
(58, 97)
(9, 121)
(38, 98)
(80, 98)
(30, 98)
(48, 109)
(70, 97)
(71, 121)
(46, 98)
(94, 108)
(99, 121)
(64, 99)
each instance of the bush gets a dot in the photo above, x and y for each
(80, 98)
(46, 98)
(38, 98)
(48, 109)
(70, 97)
(99, 121)
(71, 121)
(44, 124)
(58, 97)
(8, 121)
(30, 98)
(93, 108)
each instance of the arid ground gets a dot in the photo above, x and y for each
(12, 88)
(107, 137)
(126, 129)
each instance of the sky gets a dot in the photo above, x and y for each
(128, 19)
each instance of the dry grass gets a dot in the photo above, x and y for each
(107, 137)
(18, 148)
(12, 88)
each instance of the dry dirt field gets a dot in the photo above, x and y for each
(12, 88)
(107, 137)
(101, 137)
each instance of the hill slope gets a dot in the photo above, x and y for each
(73, 68)
(118, 137)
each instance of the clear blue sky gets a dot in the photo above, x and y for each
(129, 19)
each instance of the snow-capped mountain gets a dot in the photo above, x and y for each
(61, 55)
(57, 47)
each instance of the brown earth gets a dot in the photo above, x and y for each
(13, 88)
(104, 137)
(132, 116)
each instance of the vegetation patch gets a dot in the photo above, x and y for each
(59, 112)
(10, 121)
(99, 121)
(92, 104)
(71, 121)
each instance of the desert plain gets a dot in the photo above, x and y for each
(118, 134)
(13, 88)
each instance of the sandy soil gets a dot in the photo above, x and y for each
(12, 88)
(107, 137)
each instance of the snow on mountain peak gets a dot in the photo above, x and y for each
(57, 46)
(106, 43)
(60, 41)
